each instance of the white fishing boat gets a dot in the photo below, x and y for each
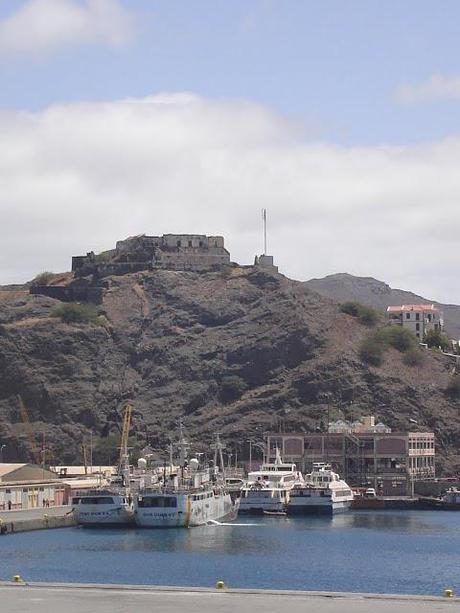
(193, 496)
(103, 507)
(322, 493)
(269, 488)
(111, 504)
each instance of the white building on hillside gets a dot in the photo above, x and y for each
(417, 318)
(365, 425)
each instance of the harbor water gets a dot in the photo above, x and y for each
(412, 552)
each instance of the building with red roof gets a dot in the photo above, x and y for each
(418, 318)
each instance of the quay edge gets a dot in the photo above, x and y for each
(36, 519)
(51, 598)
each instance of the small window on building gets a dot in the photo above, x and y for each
(201, 243)
(417, 327)
(190, 244)
(417, 316)
(179, 243)
(407, 315)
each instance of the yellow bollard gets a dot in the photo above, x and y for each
(448, 593)
(17, 579)
(220, 585)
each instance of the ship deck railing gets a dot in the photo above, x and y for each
(180, 490)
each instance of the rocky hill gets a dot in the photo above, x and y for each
(239, 352)
(377, 294)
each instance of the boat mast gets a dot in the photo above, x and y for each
(218, 448)
(182, 445)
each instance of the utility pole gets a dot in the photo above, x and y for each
(43, 453)
(250, 455)
(91, 453)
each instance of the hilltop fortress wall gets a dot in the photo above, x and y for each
(187, 252)
(180, 252)
(194, 252)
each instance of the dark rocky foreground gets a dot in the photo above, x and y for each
(236, 352)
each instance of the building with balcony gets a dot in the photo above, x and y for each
(388, 461)
(417, 318)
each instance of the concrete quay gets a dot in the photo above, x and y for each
(76, 598)
(36, 519)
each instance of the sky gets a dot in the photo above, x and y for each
(122, 117)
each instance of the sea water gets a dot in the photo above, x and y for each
(416, 552)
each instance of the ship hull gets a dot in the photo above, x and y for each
(111, 517)
(319, 508)
(187, 513)
(253, 507)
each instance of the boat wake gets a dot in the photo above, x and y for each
(213, 522)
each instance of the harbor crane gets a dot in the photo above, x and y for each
(36, 454)
(123, 463)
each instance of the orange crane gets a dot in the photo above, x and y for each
(123, 462)
(29, 431)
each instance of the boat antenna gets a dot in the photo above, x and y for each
(218, 447)
(278, 459)
(182, 446)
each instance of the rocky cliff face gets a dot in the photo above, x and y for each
(237, 352)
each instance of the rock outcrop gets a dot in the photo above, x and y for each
(239, 351)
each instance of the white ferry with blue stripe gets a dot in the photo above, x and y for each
(269, 489)
(323, 493)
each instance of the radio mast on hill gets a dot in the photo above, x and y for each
(264, 260)
(264, 220)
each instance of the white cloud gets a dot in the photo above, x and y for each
(81, 176)
(437, 87)
(42, 26)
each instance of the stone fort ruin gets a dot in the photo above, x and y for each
(194, 252)
(179, 252)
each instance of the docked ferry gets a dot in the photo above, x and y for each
(322, 493)
(269, 489)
